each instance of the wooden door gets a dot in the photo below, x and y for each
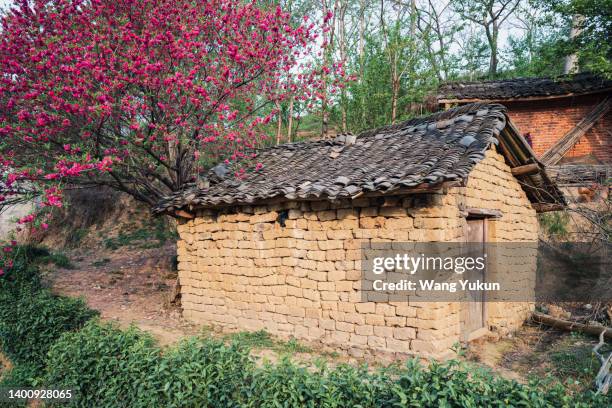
(474, 307)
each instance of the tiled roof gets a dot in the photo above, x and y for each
(524, 88)
(420, 152)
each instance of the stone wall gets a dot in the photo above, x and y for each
(249, 268)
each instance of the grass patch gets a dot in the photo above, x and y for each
(41, 255)
(261, 339)
(573, 361)
(75, 237)
(148, 237)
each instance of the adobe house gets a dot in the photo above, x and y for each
(567, 119)
(280, 249)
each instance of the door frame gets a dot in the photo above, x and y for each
(484, 215)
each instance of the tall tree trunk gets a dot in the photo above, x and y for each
(394, 96)
(492, 34)
(290, 119)
(394, 56)
(279, 123)
(571, 61)
(362, 28)
(342, 43)
(327, 60)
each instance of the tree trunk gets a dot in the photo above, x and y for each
(290, 119)
(493, 45)
(362, 27)
(328, 40)
(279, 123)
(342, 41)
(395, 95)
(571, 61)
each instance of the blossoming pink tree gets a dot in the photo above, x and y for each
(138, 95)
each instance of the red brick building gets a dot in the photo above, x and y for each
(566, 119)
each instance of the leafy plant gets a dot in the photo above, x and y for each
(34, 319)
(20, 376)
(105, 366)
(145, 237)
(555, 223)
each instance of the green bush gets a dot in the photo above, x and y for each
(109, 367)
(21, 275)
(204, 373)
(19, 377)
(105, 366)
(34, 319)
(31, 317)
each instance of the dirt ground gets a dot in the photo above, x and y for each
(127, 286)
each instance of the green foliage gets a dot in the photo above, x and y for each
(59, 259)
(204, 373)
(21, 376)
(573, 360)
(32, 320)
(555, 223)
(153, 236)
(593, 45)
(35, 254)
(53, 341)
(31, 317)
(110, 367)
(262, 339)
(105, 366)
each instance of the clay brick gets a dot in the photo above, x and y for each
(369, 307)
(359, 340)
(383, 331)
(375, 320)
(400, 346)
(364, 330)
(345, 327)
(377, 342)
(264, 217)
(404, 333)
(392, 212)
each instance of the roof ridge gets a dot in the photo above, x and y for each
(432, 117)
(559, 78)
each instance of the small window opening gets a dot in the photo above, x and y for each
(282, 217)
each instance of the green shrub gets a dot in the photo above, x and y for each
(30, 255)
(23, 272)
(204, 373)
(287, 384)
(105, 366)
(109, 367)
(19, 377)
(33, 319)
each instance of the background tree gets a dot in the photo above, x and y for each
(593, 44)
(490, 15)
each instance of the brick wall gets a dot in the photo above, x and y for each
(243, 270)
(548, 120)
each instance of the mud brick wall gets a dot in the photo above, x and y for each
(549, 120)
(242, 269)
